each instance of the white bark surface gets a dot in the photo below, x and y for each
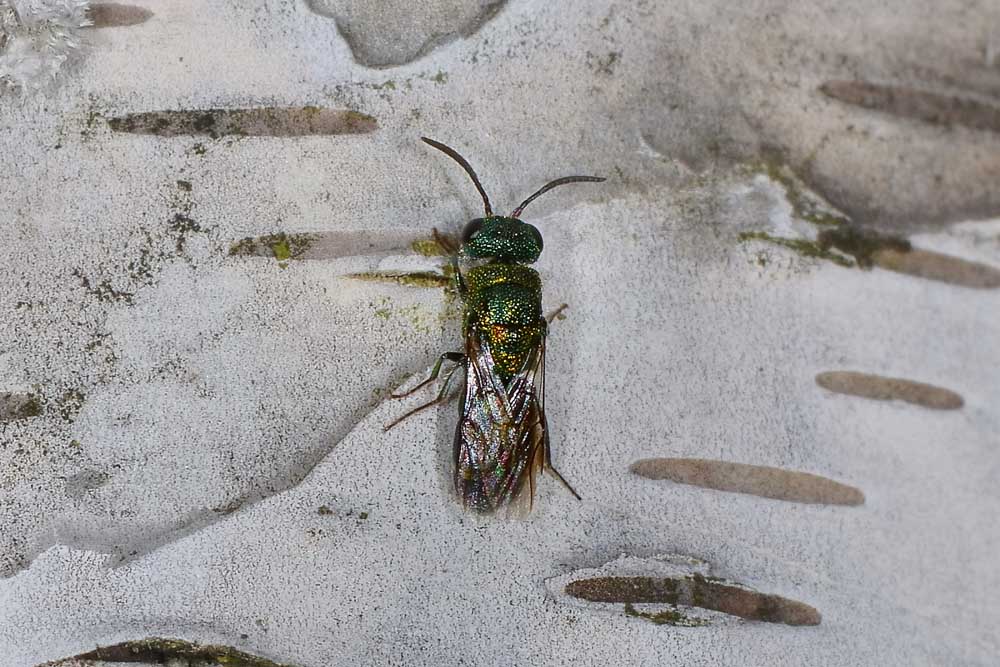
(192, 439)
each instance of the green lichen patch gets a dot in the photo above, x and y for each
(431, 247)
(804, 247)
(161, 650)
(103, 291)
(16, 405)
(282, 246)
(69, 403)
(259, 122)
(143, 268)
(229, 508)
(281, 249)
(806, 205)
(862, 245)
(666, 617)
(139, 259)
(416, 314)
(182, 225)
(92, 121)
(418, 317)
(407, 279)
(243, 247)
(603, 64)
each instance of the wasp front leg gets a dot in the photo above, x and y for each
(452, 247)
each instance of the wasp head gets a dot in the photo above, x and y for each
(501, 238)
(498, 237)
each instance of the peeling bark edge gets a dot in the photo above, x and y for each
(370, 58)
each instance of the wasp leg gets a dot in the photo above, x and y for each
(459, 279)
(441, 397)
(457, 357)
(556, 473)
(556, 313)
(547, 463)
(452, 248)
(446, 242)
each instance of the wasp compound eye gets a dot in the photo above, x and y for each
(472, 228)
(536, 235)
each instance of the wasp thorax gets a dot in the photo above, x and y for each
(503, 239)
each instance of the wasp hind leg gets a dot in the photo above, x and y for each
(558, 475)
(442, 396)
(547, 465)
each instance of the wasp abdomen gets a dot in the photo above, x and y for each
(512, 345)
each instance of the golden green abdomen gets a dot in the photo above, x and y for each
(504, 304)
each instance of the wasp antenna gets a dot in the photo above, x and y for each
(556, 183)
(453, 154)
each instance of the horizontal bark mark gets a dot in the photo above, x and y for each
(921, 105)
(262, 122)
(160, 650)
(17, 405)
(937, 266)
(880, 388)
(696, 591)
(116, 15)
(764, 481)
(322, 245)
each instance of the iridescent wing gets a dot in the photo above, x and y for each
(501, 441)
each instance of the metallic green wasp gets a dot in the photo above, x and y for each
(502, 438)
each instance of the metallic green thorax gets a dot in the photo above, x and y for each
(504, 298)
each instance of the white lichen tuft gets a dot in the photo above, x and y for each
(37, 38)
